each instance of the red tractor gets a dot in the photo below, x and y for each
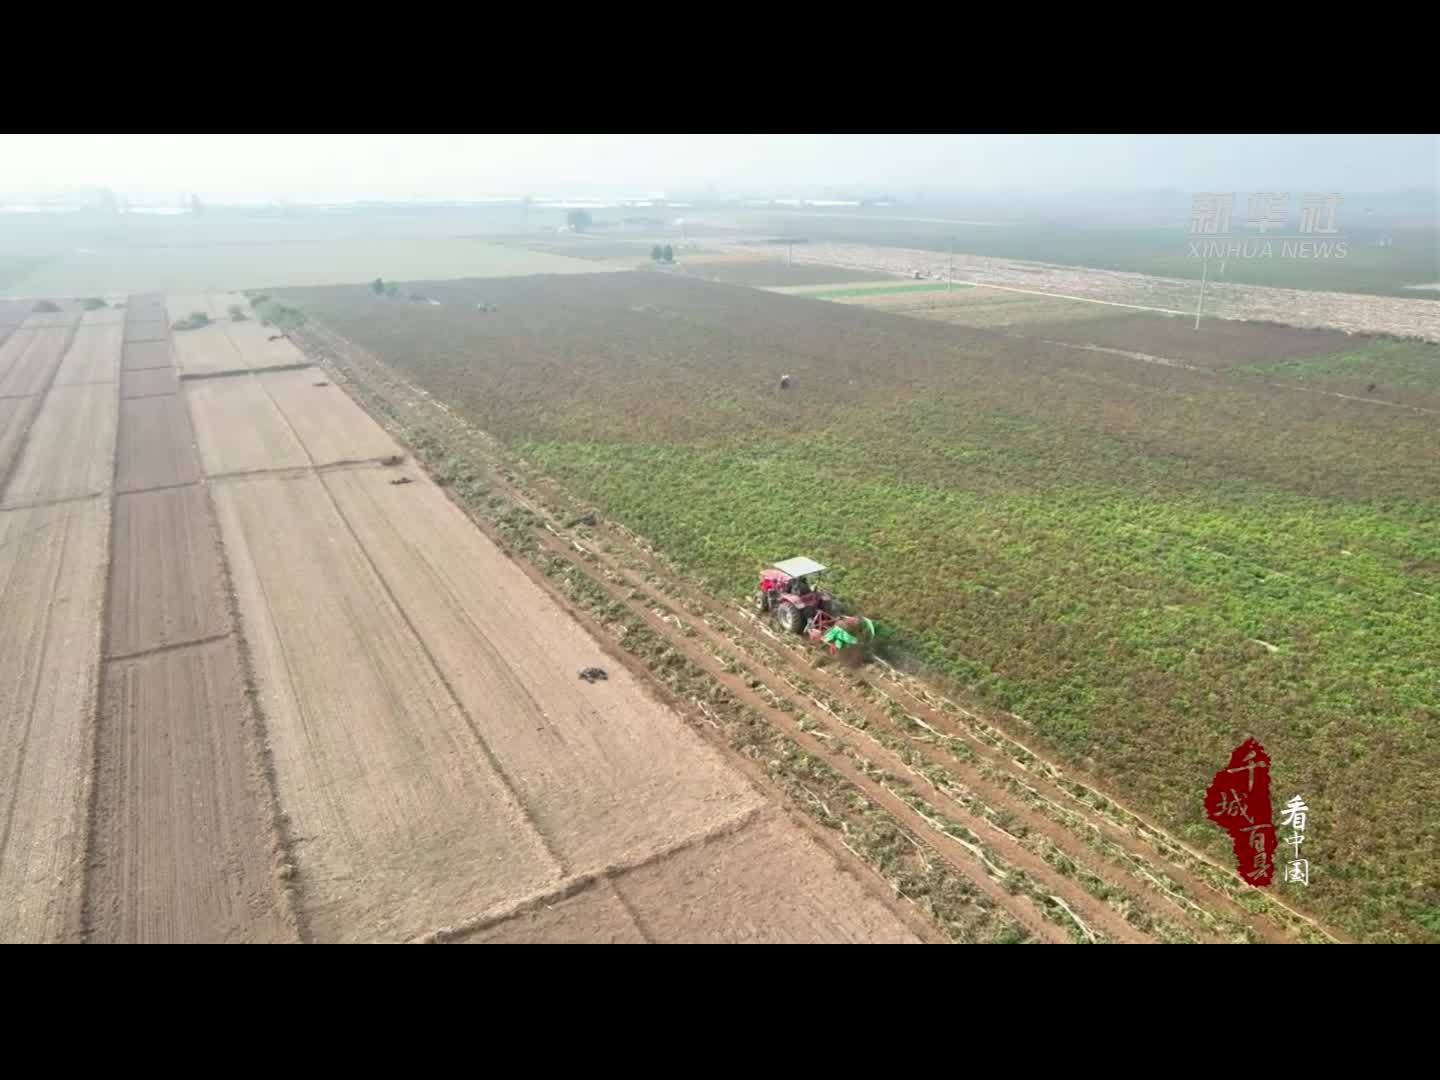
(786, 591)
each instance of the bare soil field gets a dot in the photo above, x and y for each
(766, 883)
(611, 776)
(228, 344)
(329, 425)
(184, 842)
(29, 358)
(52, 573)
(138, 331)
(595, 916)
(165, 577)
(1296, 307)
(149, 382)
(147, 356)
(407, 824)
(238, 428)
(182, 836)
(262, 346)
(70, 448)
(15, 414)
(156, 446)
(93, 356)
(206, 351)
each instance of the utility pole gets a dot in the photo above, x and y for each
(1204, 266)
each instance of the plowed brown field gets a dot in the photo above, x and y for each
(70, 450)
(181, 835)
(238, 428)
(156, 445)
(28, 359)
(262, 346)
(165, 580)
(206, 351)
(329, 425)
(611, 776)
(408, 825)
(52, 574)
(149, 382)
(93, 356)
(145, 355)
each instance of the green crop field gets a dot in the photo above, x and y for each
(1145, 564)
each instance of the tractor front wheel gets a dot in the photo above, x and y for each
(762, 600)
(792, 618)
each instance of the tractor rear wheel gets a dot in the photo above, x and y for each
(792, 618)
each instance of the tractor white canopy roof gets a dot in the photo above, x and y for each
(798, 567)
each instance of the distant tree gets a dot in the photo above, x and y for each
(657, 253)
(579, 220)
(669, 254)
(377, 286)
(391, 289)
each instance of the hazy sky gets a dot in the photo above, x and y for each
(221, 167)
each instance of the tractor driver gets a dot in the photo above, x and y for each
(800, 586)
